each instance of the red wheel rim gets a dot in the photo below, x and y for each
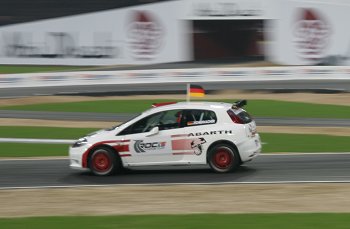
(223, 158)
(101, 162)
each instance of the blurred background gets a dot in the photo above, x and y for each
(148, 32)
(68, 68)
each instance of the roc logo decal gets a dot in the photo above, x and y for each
(142, 147)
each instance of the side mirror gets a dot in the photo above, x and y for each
(154, 131)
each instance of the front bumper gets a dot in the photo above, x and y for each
(75, 158)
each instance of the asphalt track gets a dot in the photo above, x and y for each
(265, 169)
(287, 168)
(166, 88)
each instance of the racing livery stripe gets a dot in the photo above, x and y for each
(124, 155)
(121, 148)
(181, 144)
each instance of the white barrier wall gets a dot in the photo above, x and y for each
(299, 32)
(172, 75)
(145, 34)
(311, 32)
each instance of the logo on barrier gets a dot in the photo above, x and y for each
(311, 34)
(144, 35)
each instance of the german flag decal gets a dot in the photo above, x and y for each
(196, 91)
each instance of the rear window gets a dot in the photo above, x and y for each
(240, 118)
(246, 118)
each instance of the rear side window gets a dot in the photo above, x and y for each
(199, 117)
(240, 118)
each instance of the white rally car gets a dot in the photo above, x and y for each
(184, 133)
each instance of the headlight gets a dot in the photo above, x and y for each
(80, 142)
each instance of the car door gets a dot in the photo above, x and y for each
(199, 126)
(150, 139)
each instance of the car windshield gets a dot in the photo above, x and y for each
(120, 124)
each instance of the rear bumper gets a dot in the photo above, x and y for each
(250, 148)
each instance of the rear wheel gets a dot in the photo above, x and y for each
(223, 158)
(104, 162)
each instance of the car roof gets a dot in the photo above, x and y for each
(192, 105)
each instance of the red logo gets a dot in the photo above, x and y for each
(311, 34)
(144, 34)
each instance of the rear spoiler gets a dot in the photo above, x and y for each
(239, 104)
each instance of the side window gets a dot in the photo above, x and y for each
(170, 120)
(164, 120)
(199, 117)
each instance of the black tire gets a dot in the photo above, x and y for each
(104, 162)
(223, 158)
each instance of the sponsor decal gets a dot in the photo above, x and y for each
(144, 75)
(192, 123)
(95, 77)
(275, 72)
(185, 74)
(311, 34)
(227, 8)
(10, 79)
(197, 145)
(57, 45)
(52, 78)
(145, 34)
(211, 133)
(142, 147)
(232, 73)
(191, 74)
(318, 71)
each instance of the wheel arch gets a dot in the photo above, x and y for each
(90, 151)
(226, 142)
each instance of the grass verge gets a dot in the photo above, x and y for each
(9, 69)
(203, 221)
(43, 132)
(274, 142)
(264, 108)
(307, 143)
(33, 150)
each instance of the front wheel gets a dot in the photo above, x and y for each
(103, 162)
(223, 158)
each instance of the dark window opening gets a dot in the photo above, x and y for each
(199, 117)
(228, 39)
